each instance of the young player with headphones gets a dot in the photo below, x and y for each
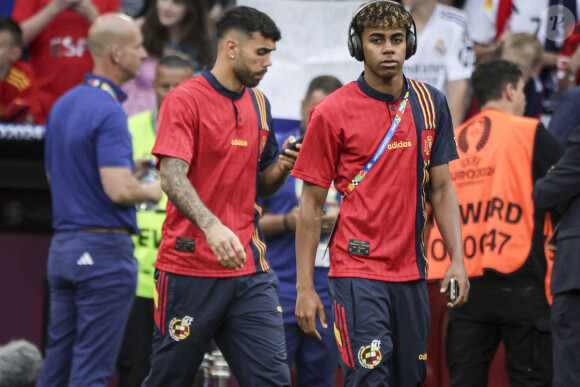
(378, 273)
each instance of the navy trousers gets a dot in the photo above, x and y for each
(92, 279)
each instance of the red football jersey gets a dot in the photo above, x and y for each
(379, 233)
(219, 134)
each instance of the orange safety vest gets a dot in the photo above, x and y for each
(493, 183)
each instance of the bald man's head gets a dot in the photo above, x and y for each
(116, 45)
(109, 29)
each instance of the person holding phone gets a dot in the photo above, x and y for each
(217, 154)
(385, 142)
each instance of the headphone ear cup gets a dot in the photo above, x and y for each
(351, 44)
(358, 48)
(411, 44)
(355, 46)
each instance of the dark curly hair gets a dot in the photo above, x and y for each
(248, 20)
(195, 36)
(490, 78)
(382, 14)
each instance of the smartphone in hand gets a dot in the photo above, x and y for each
(453, 290)
(293, 145)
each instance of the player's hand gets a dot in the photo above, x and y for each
(456, 270)
(308, 305)
(288, 156)
(225, 245)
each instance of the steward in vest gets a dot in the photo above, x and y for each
(501, 156)
(133, 362)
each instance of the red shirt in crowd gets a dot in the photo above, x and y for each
(59, 55)
(18, 92)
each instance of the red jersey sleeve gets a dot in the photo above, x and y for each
(175, 128)
(318, 156)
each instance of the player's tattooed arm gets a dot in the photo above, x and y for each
(180, 191)
(223, 242)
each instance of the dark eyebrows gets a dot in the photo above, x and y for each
(383, 36)
(265, 50)
(377, 35)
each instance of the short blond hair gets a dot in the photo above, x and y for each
(382, 14)
(526, 44)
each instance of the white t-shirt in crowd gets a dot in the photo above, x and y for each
(525, 17)
(444, 50)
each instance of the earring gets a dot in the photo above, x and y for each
(232, 57)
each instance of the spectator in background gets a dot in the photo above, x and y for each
(316, 360)
(18, 89)
(445, 55)
(501, 156)
(560, 189)
(525, 50)
(169, 25)
(56, 33)
(133, 362)
(92, 272)
(492, 21)
(216, 10)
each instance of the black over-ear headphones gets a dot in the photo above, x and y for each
(355, 46)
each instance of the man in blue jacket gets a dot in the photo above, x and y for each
(561, 189)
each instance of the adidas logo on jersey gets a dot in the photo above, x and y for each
(400, 144)
(85, 259)
(238, 142)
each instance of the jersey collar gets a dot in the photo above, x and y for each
(106, 85)
(206, 73)
(373, 93)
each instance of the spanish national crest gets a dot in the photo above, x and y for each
(370, 356)
(428, 138)
(179, 328)
(428, 145)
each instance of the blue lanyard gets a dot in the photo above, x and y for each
(388, 137)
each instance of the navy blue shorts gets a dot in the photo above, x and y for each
(242, 315)
(381, 330)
